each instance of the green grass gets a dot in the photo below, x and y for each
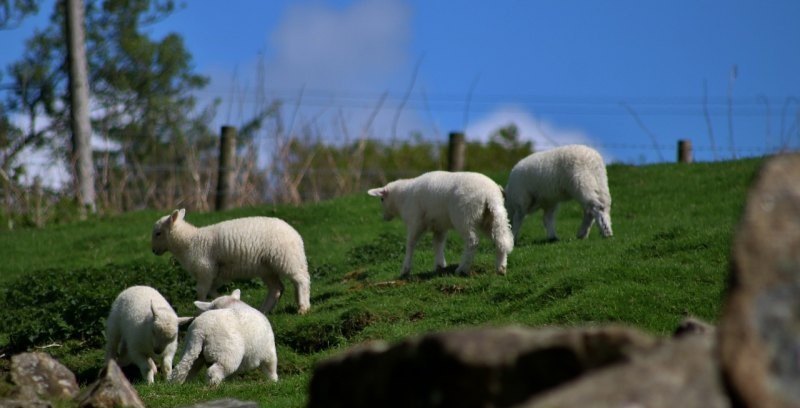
(673, 226)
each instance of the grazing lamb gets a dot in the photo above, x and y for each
(231, 337)
(141, 326)
(440, 201)
(543, 180)
(253, 247)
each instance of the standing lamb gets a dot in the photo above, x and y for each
(232, 338)
(244, 248)
(440, 201)
(543, 180)
(141, 326)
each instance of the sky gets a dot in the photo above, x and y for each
(628, 77)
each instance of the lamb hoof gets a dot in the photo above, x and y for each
(501, 271)
(303, 311)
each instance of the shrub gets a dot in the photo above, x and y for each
(61, 305)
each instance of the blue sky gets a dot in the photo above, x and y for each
(624, 76)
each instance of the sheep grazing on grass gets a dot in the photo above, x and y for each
(231, 337)
(440, 201)
(142, 326)
(543, 180)
(244, 248)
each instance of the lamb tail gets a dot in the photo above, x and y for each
(194, 346)
(499, 227)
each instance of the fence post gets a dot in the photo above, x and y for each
(457, 150)
(684, 151)
(226, 175)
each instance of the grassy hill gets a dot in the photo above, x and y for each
(673, 226)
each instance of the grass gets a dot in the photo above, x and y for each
(673, 226)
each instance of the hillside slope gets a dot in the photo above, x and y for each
(673, 226)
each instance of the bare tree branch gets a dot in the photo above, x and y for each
(646, 130)
(731, 81)
(768, 130)
(784, 132)
(468, 101)
(708, 120)
(405, 97)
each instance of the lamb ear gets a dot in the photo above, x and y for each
(153, 309)
(202, 305)
(377, 192)
(184, 320)
(237, 294)
(178, 215)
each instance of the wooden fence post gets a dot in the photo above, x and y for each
(457, 150)
(226, 174)
(684, 151)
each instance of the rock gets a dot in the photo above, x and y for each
(226, 403)
(469, 368)
(693, 325)
(111, 390)
(16, 403)
(39, 376)
(759, 331)
(681, 373)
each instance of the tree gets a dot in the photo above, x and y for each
(79, 106)
(142, 103)
(503, 150)
(12, 12)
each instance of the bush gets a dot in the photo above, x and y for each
(62, 305)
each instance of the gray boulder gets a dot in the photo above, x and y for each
(38, 376)
(759, 330)
(496, 367)
(681, 373)
(225, 403)
(112, 389)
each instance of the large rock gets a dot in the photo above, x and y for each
(226, 403)
(22, 403)
(681, 373)
(496, 367)
(38, 376)
(111, 390)
(759, 332)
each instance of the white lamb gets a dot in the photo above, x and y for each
(543, 180)
(439, 201)
(231, 337)
(140, 327)
(244, 248)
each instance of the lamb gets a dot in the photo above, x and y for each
(440, 201)
(543, 180)
(140, 327)
(243, 248)
(232, 338)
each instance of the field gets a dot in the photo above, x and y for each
(673, 225)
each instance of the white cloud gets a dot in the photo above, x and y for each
(319, 46)
(545, 135)
(342, 58)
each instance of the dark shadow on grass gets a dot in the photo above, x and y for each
(449, 270)
(323, 297)
(526, 242)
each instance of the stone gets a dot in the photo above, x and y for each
(18, 403)
(39, 376)
(481, 367)
(694, 326)
(226, 403)
(759, 330)
(680, 373)
(112, 389)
